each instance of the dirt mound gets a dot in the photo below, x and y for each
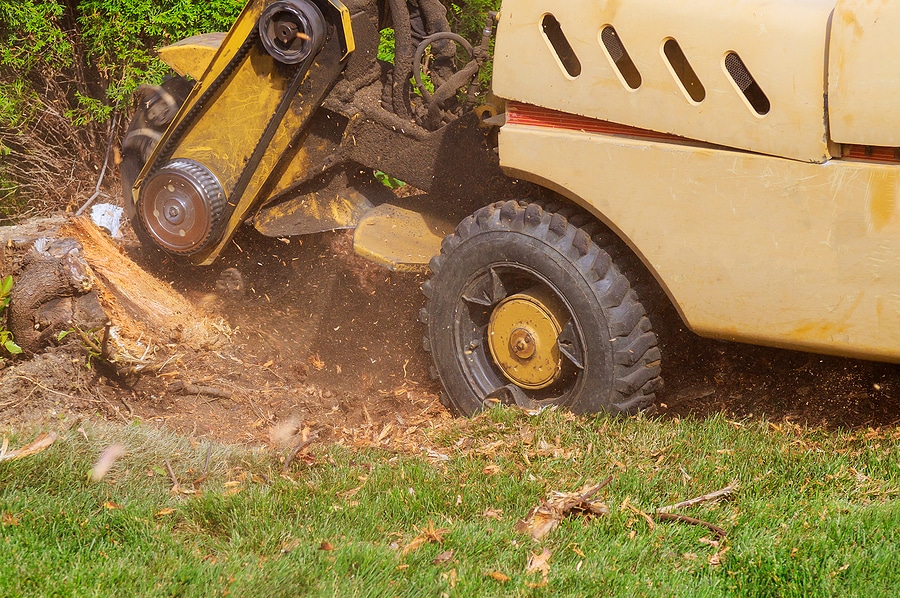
(286, 331)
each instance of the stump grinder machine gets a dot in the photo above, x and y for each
(742, 157)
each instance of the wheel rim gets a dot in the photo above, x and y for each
(514, 330)
(522, 336)
(155, 110)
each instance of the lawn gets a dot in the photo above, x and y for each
(432, 511)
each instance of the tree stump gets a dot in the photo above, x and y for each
(53, 294)
(69, 275)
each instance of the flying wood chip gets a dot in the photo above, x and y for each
(42, 442)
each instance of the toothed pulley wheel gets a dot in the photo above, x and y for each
(182, 206)
(292, 30)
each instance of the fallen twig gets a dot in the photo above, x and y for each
(592, 491)
(712, 496)
(259, 411)
(634, 509)
(124, 402)
(42, 442)
(690, 520)
(89, 342)
(296, 450)
(112, 132)
(45, 388)
(545, 518)
(206, 463)
(186, 388)
(176, 487)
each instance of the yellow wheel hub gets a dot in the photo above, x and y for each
(522, 337)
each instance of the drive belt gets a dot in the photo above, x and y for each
(262, 144)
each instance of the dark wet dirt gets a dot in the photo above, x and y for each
(327, 318)
(324, 338)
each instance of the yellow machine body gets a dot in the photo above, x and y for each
(776, 224)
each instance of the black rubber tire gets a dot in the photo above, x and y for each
(520, 244)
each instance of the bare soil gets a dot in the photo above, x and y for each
(323, 339)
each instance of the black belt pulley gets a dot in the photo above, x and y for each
(182, 204)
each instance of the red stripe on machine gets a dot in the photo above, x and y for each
(527, 114)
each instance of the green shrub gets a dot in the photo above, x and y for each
(120, 36)
(65, 68)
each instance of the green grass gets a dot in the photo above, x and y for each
(815, 514)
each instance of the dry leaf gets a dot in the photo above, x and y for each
(498, 576)
(492, 469)
(290, 545)
(316, 362)
(326, 546)
(544, 518)
(434, 534)
(110, 505)
(417, 543)
(164, 512)
(716, 559)
(433, 454)
(443, 557)
(428, 534)
(351, 493)
(627, 505)
(9, 519)
(105, 462)
(451, 577)
(493, 514)
(541, 521)
(42, 442)
(539, 562)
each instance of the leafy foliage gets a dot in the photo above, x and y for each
(65, 67)
(467, 17)
(33, 37)
(6, 337)
(120, 36)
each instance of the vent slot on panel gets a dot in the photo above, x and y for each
(564, 52)
(741, 76)
(679, 64)
(620, 58)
